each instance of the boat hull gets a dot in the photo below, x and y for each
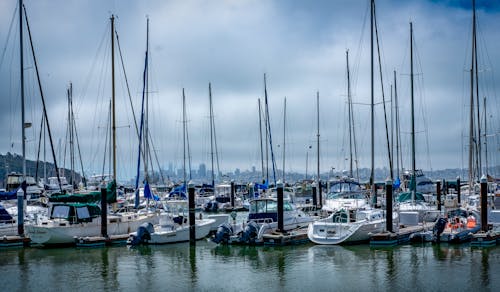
(330, 233)
(61, 232)
(179, 234)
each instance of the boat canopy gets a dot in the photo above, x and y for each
(89, 197)
(12, 195)
(406, 197)
(75, 212)
(344, 186)
(5, 217)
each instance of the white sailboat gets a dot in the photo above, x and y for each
(82, 218)
(350, 223)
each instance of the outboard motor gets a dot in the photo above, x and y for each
(249, 234)
(211, 206)
(224, 231)
(142, 235)
(439, 228)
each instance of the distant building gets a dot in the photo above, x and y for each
(202, 170)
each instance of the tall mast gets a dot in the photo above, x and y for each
(284, 140)
(146, 112)
(184, 135)
(471, 112)
(372, 172)
(71, 133)
(21, 64)
(211, 131)
(413, 179)
(398, 157)
(349, 104)
(20, 201)
(266, 118)
(485, 138)
(479, 166)
(260, 139)
(317, 134)
(113, 123)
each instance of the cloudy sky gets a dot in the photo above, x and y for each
(300, 45)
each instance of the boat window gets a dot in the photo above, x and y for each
(272, 206)
(60, 212)
(287, 206)
(82, 213)
(344, 187)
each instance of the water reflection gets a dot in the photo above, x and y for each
(206, 267)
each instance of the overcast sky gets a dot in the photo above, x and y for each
(300, 45)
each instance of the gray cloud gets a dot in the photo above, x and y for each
(300, 45)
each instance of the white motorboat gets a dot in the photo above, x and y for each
(347, 226)
(262, 218)
(173, 226)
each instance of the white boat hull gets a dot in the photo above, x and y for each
(321, 232)
(61, 232)
(180, 233)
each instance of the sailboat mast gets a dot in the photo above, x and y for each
(317, 134)
(71, 133)
(479, 165)
(211, 131)
(413, 180)
(184, 135)
(147, 156)
(485, 138)
(260, 139)
(471, 112)
(398, 156)
(266, 118)
(284, 140)
(372, 172)
(349, 104)
(113, 122)
(20, 201)
(21, 64)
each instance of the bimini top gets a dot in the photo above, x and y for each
(406, 197)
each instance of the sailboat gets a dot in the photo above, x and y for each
(77, 215)
(414, 201)
(346, 192)
(351, 224)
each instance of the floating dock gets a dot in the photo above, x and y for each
(401, 236)
(286, 238)
(14, 241)
(485, 239)
(99, 241)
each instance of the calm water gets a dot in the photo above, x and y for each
(207, 267)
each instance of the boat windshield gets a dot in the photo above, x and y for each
(60, 212)
(268, 206)
(354, 195)
(344, 187)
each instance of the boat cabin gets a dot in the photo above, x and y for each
(266, 210)
(75, 212)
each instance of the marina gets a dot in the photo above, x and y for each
(99, 185)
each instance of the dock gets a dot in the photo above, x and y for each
(100, 241)
(401, 236)
(14, 241)
(485, 239)
(286, 238)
